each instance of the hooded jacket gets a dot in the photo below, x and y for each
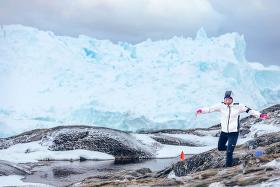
(230, 115)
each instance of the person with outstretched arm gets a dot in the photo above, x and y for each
(230, 124)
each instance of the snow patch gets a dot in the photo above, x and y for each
(16, 180)
(34, 152)
(274, 163)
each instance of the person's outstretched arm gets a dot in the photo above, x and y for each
(215, 108)
(252, 112)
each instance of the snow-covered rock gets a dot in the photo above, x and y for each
(117, 143)
(73, 143)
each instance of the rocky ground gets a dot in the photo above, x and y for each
(256, 160)
(208, 168)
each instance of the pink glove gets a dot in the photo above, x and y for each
(199, 111)
(264, 116)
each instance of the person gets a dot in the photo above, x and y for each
(230, 124)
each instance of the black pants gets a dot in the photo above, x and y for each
(231, 138)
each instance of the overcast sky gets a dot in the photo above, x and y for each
(136, 20)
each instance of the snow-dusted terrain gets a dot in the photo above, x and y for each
(79, 143)
(48, 80)
(95, 143)
(35, 151)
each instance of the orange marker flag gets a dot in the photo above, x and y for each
(182, 156)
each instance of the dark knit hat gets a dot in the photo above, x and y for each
(228, 94)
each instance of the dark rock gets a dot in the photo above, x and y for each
(200, 162)
(169, 131)
(197, 131)
(164, 172)
(245, 181)
(64, 172)
(264, 140)
(143, 171)
(272, 109)
(169, 140)
(30, 136)
(273, 149)
(82, 159)
(120, 144)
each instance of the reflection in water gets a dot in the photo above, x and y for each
(129, 161)
(60, 173)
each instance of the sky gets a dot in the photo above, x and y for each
(136, 20)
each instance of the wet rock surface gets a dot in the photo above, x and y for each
(64, 171)
(9, 168)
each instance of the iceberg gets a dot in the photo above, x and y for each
(48, 80)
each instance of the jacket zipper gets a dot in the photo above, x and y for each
(228, 117)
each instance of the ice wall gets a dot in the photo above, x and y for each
(46, 80)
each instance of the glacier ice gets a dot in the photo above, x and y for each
(49, 80)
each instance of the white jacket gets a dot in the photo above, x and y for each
(230, 115)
